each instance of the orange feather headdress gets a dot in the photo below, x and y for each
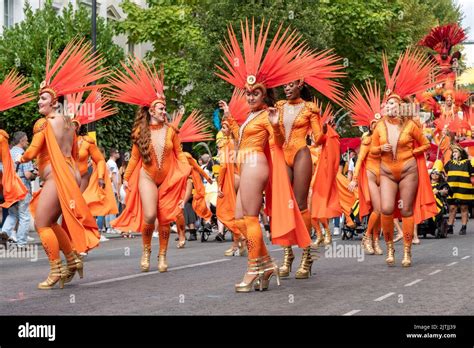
(140, 84)
(252, 69)
(413, 73)
(238, 106)
(364, 106)
(443, 38)
(92, 109)
(73, 71)
(11, 91)
(193, 128)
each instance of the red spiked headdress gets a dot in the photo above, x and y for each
(193, 128)
(364, 106)
(11, 91)
(443, 38)
(238, 106)
(413, 73)
(140, 84)
(75, 68)
(252, 69)
(92, 109)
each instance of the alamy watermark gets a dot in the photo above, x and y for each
(13, 252)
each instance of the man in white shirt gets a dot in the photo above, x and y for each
(114, 178)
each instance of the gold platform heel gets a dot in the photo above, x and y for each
(270, 270)
(288, 258)
(145, 261)
(57, 273)
(232, 251)
(304, 271)
(162, 264)
(328, 237)
(319, 241)
(406, 261)
(390, 260)
(74, 263)
(367, 245)
(254, 267)
(377, 249)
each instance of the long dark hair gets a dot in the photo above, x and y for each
(141, 133)
(270, 98)
(305, 93)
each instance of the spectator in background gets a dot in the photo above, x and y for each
(19, 212)
(101, 219)
(114, 155)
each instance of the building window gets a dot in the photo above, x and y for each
(8, 7)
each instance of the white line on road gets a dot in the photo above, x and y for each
(414, 282)
(381, 298)
(434, 272)
(352, 312)
(96, 253)
(452, 263)
(105, 281)
(465, 257)
(278, 249)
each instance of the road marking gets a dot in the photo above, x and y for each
(352, 312)
(96, 253)
(414, 282)
(132, 276)
(434, 272)
(452, 263)
(278, 249)
(381, 298)
(465, 257)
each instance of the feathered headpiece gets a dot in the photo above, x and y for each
(11, 91)
(413, 73)
(364, 106)
(238, 106)
(328, 112)
(252, 69)
(92, 109)
(443, 38)
(193, 128)
(428, 103)
(140, 84)
(73, 71)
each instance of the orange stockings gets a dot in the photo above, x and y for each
(317, 227)
(255, 244)
(54, 239)
(387, 227)
(408, 227)
(164, 232)
(373, 227)
(240, 223)
(147, 233)
(180, 225)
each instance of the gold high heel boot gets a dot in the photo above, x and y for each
(232, 251)
(74, 263)
(367, 245)
(377, 249)
(162, 264)
(304, 271)
(57, 273)
(145, 261)
(319, 240)
(328, 237)
(390, 260)
(254, 267)
(406, 261)
(288, 258)
(270, 270)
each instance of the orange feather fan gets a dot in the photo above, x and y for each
(238, 106)
(11, 91)
(364, 106)
(193, 128)
(92, 109)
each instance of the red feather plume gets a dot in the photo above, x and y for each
(443, 37)
(365, 105)
(92, 109)
(328, 112)
(11, 91)
(238, 106)
(194, 127)
(461, 96)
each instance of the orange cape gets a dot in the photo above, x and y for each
(13, 188)
(77, 219)
(199, 195)
(365, 205)
(101, 202)
(225, 206)
(425, 204)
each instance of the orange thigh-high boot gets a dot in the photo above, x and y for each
(367, 241)
(147, 233)
(74, 262)
(57, 273)
(374, 230)
(304, 270)
(237, 244)
(408, 225)
(242, 230)
(164, 232)
(180, 225)
(387, 227)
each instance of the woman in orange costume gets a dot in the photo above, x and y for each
(400, 143)
(54, 146)
(365, 111)
(158, 170)
(11, 186)
(284, 62)
(297, 115)
(97, 191)
(193, 130)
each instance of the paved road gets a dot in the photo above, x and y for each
(201, 281)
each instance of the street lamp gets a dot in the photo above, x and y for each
(91, 126)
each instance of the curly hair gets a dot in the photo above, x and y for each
(141, 134)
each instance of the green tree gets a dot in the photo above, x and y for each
(23, 47)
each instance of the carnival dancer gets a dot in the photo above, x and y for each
(54, 146)
(12, 93)
(297, 115)
(283, 62)
(401, 144)
(158, 169)
(365, 112)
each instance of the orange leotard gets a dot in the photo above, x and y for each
(164, 139)
(402, 141)
(88, 147)
(372, 162)
(296, 118)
